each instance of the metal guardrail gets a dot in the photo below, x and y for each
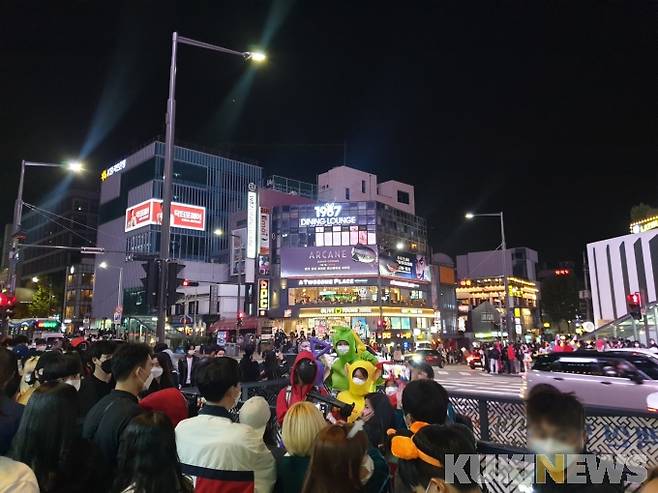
(502, 421)
(500, 426)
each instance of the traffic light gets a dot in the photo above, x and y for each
(174, 282)
(151, 283)
(634, 303)
(562, 272)
(188, 283)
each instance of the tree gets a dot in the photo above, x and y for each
(642, 211)
(44, 303)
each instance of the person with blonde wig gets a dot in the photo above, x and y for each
(301, 425)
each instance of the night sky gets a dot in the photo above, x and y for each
(544, 109)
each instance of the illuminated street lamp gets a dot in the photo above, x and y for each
(167, 179)
(511, 333)
(104, 265)
(73, 166)
(399, 245)
(35, 279)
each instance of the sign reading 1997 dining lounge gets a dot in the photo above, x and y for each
(357, 260)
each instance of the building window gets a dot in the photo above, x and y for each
(403, 197)
(347, 194)
(363, 186)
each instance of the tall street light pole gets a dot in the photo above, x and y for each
(73, 166)
(105, 265)
(511, 332)
(167, 179)
(220, 232)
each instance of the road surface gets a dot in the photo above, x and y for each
(461, 377)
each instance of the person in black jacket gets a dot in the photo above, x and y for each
(249, 370)
(162, 374)
(48, 440)
(131, 368)
(97, 385)
(187, 367)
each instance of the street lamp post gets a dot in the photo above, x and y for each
(219, 232)
(511, 332)
(105, 265)
(74, 166)
(167, 179)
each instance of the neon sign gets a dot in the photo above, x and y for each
(327, 215)
(106, 173)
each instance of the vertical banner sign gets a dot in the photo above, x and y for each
(252, 219)
(263, 296)
(264, 232)
(212, 309)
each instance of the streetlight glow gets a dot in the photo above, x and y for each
(218, 232)
(256, 56)
(399, 245)
(103, 265)
(35, 279)
(75, 166)
(469, 215)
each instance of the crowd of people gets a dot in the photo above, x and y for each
(112, 418)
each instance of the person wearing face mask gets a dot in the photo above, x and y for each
(302, 380)
(131, 368)
(48, 440)
(362, 375)
(219, 454)
(162, 374)
(97, 385)
(187, 367)
(55, 366)
(345, 344)
(421, 459)
(556, 425)
(378, 418)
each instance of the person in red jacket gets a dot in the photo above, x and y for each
(511, 356)
(302, 381)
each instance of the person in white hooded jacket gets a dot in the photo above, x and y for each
(218, 453)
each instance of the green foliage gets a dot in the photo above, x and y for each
(44, 303)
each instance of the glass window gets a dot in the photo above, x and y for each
(363, 186)
(347, 194)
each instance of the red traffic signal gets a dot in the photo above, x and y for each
(7, 300)
(634, 299)
(188, 283)
(562, 272)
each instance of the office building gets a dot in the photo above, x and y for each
(69, 219)
(621, 266)
(207, 189)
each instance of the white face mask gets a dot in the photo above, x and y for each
(74, 383)
(391, 390)
(147, 382)
(342, 349)
(358, 381)
(156, 371)
(550, 446)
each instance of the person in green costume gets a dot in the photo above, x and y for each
(345, 345)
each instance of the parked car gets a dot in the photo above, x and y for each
(430, 356)
(621, 379)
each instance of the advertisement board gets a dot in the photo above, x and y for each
(237, 250)
(358, 260)
(405, 265)
(264, 232)
(263, 296)
(184, 216)
(252, 228)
